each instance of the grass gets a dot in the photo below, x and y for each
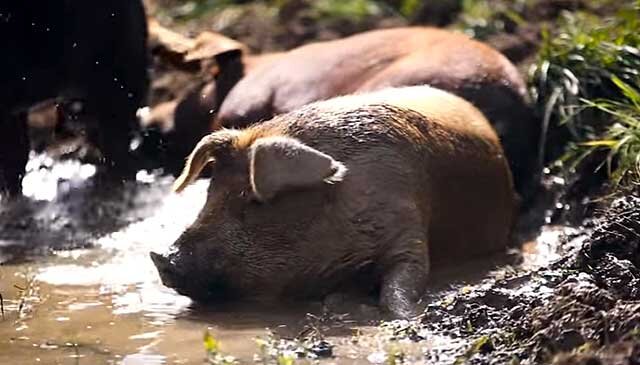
(354, 11)
(484, 18)
(307, 347)
(586, 80)
(29, 296)
(621, 140)
(481, 18)
(214, 355)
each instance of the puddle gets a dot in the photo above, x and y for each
(102, 302)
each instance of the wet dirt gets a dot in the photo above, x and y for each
(77, 285)
(581, 307)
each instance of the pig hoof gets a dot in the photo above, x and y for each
(340, 303)
(408, 311)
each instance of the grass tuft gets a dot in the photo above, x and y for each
(621, 140)
(214, 355)
(586, 81)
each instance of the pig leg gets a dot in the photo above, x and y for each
(404, 281)
(14, 152)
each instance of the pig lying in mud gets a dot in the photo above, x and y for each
(386, 184)
(251, 88)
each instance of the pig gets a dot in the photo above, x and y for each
(382, 184)
(248, 91)
(91, 52)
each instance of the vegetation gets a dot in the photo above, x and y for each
(621, 139)
(306, 348)
(214, 355)
(356, 10)
(481, 18)
(586, 80)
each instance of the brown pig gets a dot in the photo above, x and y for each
(250, 89)
(382, 185)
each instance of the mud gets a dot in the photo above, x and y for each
(68, 284)
(585, 303)
(77, 293)
(77, 286)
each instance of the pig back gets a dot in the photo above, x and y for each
(398, 57)
(444, 158)
(462, 180)
(469, 201)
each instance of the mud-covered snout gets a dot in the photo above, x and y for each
(169, 270)
(185, 275)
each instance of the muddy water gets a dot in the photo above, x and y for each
(102, 303)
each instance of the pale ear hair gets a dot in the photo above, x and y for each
(280, 163)
(204, 152)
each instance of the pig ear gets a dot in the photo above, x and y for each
(204, 152)
(280, 163)
(209, 45)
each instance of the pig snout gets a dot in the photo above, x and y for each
(182, 271)
(169, 271)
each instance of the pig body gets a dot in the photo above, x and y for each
(91, 51)
(249, 92)
(382, 184)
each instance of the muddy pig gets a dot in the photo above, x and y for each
(93, 52)
(370, 61)
(383, 184)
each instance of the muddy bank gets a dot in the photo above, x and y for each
(78, 285)
(583, 308)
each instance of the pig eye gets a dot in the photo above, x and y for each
(252, 198)
(249, 197)
(254, 201)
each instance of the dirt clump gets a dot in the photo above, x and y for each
(582, 309)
